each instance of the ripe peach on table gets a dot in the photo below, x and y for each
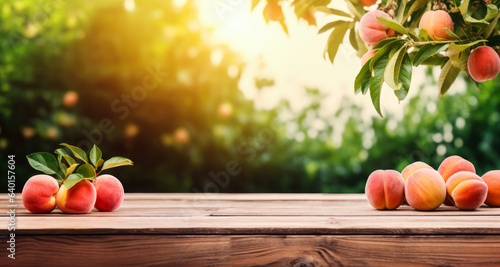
(425, 189)
(452, 165)
(39, 194)
(371, 30)
(109, 193)
(78, 199)
(467, 190)
(492, 180)
(385, 189)
(415, 166)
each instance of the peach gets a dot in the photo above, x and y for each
(368, 55)
(109, 193)
(372, 31)
(425, 189)
(492, 180)
(39, 194)
(368, 2)
(452, 165)
(78, 199)
(70, 99)
(385, 189)
(415, 166)
(467, 190)
(435, 23)
(483, 64)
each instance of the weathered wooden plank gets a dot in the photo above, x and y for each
(269, 250)
(251, 225)
(188, 207)
(234, 196)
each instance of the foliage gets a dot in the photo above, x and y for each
(196, 122)
(77, 167)
(476, 24)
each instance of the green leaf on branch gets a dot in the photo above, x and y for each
(336, 38)
(427, 51)
(463, 7)
(448, 75)
(462, 47)
(435, 60)
(491, 13)
(116, 162)
(332, 11)
(376, 82)
(397, 43)
(392, 24)
(331, 25)
(491, 27)
(44, 162)
(451, 34)
(383, 43)
(391, 73)
(77, 152)
(414, 7)
(423, 33)
(95, 155)
(476, 22)
(362, 81)
(404, 78)
(352, 38)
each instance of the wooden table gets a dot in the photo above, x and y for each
(253, 229)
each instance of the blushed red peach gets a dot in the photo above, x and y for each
(415, 166)
(435, 23)
(492, 180)
(452, 165)
(371, 30)
(78, 199)
(109, 193)
(39, 194)
(467, 190)
(385, 189)
(483, 64)
(425, 189)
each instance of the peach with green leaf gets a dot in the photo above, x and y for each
(75, 171)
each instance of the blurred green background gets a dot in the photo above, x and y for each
(145, 85)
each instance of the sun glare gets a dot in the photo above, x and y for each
(129, 5)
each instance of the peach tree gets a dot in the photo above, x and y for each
(394, 36)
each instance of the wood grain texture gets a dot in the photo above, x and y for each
(268, 250)
(250, 225)
(253, 229)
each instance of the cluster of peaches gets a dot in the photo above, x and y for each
(77, 188)
(455, 183)
(483, 63)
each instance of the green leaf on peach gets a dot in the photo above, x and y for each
(77, 152)
(116, 162)
(95, 155)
